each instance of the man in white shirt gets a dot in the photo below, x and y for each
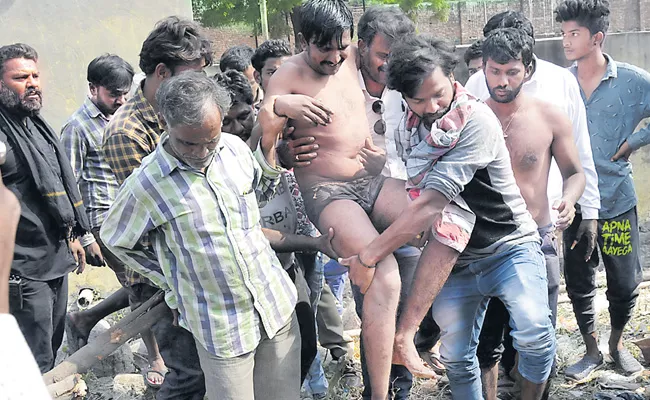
(378, 29)
(555, 85)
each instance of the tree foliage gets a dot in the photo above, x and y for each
(227, 12)
(217, 13)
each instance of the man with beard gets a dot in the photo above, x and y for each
(338, 186)
(109, 80)
(52, 214)
(462, 143)
(536, 132)
(555, 85)
(174, 46)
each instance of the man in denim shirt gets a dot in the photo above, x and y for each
(617, 98)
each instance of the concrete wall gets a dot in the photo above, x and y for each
(68, 34)
(628, 47)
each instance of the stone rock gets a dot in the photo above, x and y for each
(129, 384)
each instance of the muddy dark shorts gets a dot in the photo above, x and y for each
(362, 191)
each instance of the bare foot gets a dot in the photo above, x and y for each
(405, 353)
(77, 331)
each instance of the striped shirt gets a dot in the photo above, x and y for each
(83, 137)
(211, 257)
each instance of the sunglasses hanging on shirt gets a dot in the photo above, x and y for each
(380, 125)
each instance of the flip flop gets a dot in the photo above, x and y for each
(150, 383)
(433, 361)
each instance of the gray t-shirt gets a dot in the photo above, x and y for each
(478, 168)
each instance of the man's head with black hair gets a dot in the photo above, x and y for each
(474, 57)
(20, 86)
(421, 68)
(509, 19)
(584, 26)
(109, 80)
(268, 58)
(175, 45)
(507, 63)
(240, 118)
(326, 34)
(379, 28)
(238, 58)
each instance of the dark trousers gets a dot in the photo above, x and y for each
(330, 325)
(306, 322)
(184, 379)
(618, 240)
(40, 312)
(495, 342)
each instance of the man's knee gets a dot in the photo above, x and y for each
(386, 282)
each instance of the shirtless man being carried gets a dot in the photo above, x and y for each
(536, 132)
(318, 91)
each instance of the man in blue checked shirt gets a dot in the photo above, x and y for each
(195, 198)
(617, 98)
(109, 79)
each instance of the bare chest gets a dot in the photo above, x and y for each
(529, 143)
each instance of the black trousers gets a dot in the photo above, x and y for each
(618, 240)
(40, 311)
(184, 379)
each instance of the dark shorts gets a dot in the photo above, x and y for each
(363, 191)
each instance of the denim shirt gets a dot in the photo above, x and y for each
(615, 108)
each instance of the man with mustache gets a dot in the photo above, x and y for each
(52, 214)
(536, 132)
(196, 198)
(318, 92)
(173, 46)
(460, 144)
(109, 80)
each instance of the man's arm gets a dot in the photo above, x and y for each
(419, 216)
(20, 378)
(9, 217)
(75, 148)
(590, 199)
(122, 233)
(287, 242)
(566, 156)
(642, 136)
(478, 146)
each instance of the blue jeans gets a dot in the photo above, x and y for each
(335, 276)
(518, 278)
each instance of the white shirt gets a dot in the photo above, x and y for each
(20, 378)
(394, 110)
(556, 85)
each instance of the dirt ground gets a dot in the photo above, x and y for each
(570, 348)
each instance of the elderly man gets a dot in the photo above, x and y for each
(52, 215)
(195, 199)
(174, 46)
